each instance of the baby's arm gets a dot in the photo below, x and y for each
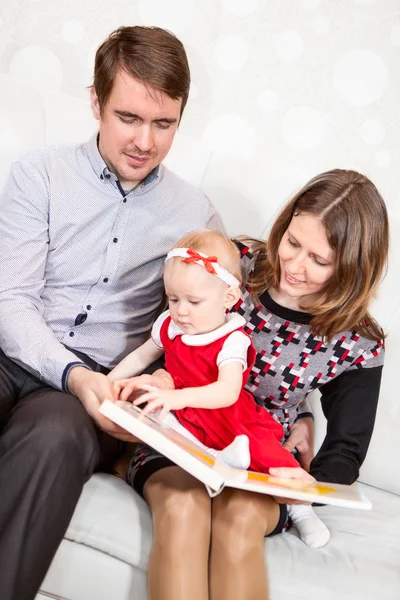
(224, 392)
(231, 361)
(136, 361)
(142, 357)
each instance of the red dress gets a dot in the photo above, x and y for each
(196, 366)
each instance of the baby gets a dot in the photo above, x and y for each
(209, 356)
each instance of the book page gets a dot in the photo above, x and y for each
(201, 463)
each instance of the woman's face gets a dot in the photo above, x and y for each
(306, 260)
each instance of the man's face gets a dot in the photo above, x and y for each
(136, 128)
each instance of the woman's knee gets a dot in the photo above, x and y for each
(240, 521)
(180, 506)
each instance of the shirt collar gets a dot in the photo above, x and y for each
(94, 156)
(233, 322)
(100, 167)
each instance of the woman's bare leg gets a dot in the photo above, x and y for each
(240, 521)
(181, 510)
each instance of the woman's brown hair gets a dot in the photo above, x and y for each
(357, 229)
(151, 55)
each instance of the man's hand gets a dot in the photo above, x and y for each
(92, 389)
(132, 388)
(302, 438)
(298, 474)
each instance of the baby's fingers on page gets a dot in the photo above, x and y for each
(163, 413)
(147, 387)
(119, 387)
(151, 407)
(127, 389)
(147, 397)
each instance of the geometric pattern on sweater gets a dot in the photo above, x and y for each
(291, 362)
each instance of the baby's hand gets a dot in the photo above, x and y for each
(163, 400)
(131, 388)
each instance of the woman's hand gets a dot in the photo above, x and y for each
(131, 388)
(297, 474)
(302, 438)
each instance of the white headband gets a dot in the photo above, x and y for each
(209, 262)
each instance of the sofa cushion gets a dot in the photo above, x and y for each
(112, 518)
(362, 555)
(361, 561)
(82, 573)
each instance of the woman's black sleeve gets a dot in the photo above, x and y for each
(349, 404)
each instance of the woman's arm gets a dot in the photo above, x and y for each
(136, 361)
(304, 410)
(349, 403)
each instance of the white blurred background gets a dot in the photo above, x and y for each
(282, 89)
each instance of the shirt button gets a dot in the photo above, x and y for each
(81, 318)
(71, 334)
(115, 240)
(124, 200)
(102, 176)
(108, 176)
(88, 307)
(105, 279)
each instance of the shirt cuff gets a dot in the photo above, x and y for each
(66, 372)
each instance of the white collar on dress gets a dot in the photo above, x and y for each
(233, 321)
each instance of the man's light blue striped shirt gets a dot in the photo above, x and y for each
(81, 263)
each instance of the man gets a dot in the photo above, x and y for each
(84, 231)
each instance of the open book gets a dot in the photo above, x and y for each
(200, 463)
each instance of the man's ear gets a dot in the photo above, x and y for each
(94, 102)
(232, 295)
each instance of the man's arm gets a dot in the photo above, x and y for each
(91, 389)
(24, 243)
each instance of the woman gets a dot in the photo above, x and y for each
(306, 303)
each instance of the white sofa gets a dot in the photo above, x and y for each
(105, 551)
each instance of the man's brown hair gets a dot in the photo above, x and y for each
(356, 224)
(152, 55)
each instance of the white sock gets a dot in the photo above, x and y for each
(311, 529)
(237, 454)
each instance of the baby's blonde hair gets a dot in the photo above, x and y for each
(214, 243)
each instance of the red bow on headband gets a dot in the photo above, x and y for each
(206, 260)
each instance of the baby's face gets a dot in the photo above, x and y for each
(196, 298)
